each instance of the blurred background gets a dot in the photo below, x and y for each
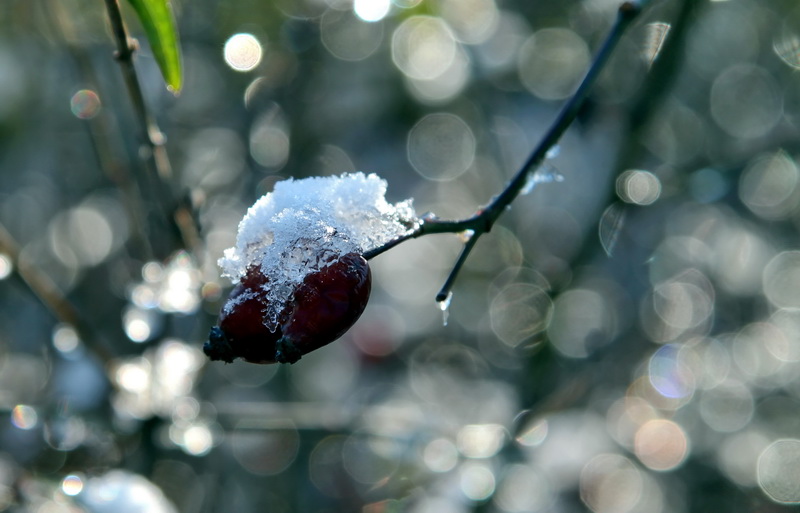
(626, 340)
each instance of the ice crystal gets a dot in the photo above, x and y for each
(305, 225)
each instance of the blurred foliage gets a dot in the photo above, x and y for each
(627, 340)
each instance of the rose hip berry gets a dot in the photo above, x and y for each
(323, 306)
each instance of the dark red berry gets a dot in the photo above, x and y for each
(324, 306)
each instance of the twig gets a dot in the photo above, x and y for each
(448, 284)
(50, 295)
(484, 219)
(158, 178)
(644, 108)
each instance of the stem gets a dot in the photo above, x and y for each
(625, 15)
(150, 133)
(484, 219)
(430, 225)
(50, 295)
(451, 279)
(158, 176)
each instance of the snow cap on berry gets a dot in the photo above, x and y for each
(305, 225)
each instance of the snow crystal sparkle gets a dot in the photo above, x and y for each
(304, 225)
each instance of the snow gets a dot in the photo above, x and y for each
(304, 225)
(544, 174)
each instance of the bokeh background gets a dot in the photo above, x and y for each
(625, 340)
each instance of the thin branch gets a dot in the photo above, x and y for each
(645, 107)
(626, 14)
(484, 219)
(430, 225)
(50, 295)
(158, 179)
(451, 279)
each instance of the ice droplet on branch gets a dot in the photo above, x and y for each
(444, 306)
(466, 235)
(305, 225)
(546, 173)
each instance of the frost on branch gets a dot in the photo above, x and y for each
(305, 225)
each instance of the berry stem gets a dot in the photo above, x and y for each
(484, 218)
(430, 225)
(286, 351)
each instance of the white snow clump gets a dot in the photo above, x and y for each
(304, 225)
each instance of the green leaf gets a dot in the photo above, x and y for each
(159, 24)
